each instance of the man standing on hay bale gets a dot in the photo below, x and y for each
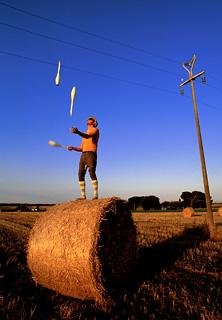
(88, 158)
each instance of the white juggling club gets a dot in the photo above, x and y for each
(57, 79)
(56, 144)
(73, 93)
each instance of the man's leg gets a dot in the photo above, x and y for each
(95, 189)
(82, 173)
(91, 162)
(82, 186)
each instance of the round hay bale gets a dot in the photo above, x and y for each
(188, 212)
(219, 211)
(84, 248)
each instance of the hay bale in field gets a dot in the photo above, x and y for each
(84, 249)
(188, 212)
(219, 211)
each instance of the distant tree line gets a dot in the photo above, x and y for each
(23, 207)
(194, 199)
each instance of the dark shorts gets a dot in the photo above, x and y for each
(88, 161)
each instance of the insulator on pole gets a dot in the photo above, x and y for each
(203, 80)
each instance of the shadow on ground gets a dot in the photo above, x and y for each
(160, 256)
(138, 300)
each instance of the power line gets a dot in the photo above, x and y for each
(213, 87)
(88, 33)
(105, 39)
(203, 103)
(86, 48)
(216, 79)
(209, 105)
(140, 84)
(88, 72)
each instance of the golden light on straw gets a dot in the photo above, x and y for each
(83, 248)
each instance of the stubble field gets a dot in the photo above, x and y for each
(179, 273)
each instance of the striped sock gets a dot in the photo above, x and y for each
(95, 188)
(82, 186)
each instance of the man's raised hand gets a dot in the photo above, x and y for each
(74, 130)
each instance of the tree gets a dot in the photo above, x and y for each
(198, 200)
(150, 202)
(134, 202)
(165, 205)
(186, 199)
(194, 199)
(174, 205)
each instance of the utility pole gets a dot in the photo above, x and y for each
(189, 67)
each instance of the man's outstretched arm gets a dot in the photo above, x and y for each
(71, 148)
(93, 132)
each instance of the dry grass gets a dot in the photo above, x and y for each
(179, 275)
(188, 212)
(83, 249)
(220, 211)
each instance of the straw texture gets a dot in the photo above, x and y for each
(84, 248)
(188, 212)
(220, 211)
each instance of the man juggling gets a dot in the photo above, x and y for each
(88, 158)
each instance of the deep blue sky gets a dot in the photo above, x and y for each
(148, 141)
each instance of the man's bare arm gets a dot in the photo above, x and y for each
(71, 148)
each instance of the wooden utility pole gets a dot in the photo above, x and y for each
(189, 67)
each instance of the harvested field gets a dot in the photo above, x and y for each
(179, 275)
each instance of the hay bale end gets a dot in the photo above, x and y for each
(84, 248)
(219, 211)
(188, 212)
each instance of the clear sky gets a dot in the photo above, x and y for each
(125, 58)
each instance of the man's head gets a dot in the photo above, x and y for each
(92, 121)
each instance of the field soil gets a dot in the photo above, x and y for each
(178, 275)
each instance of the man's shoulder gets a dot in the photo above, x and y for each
(93, 131)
